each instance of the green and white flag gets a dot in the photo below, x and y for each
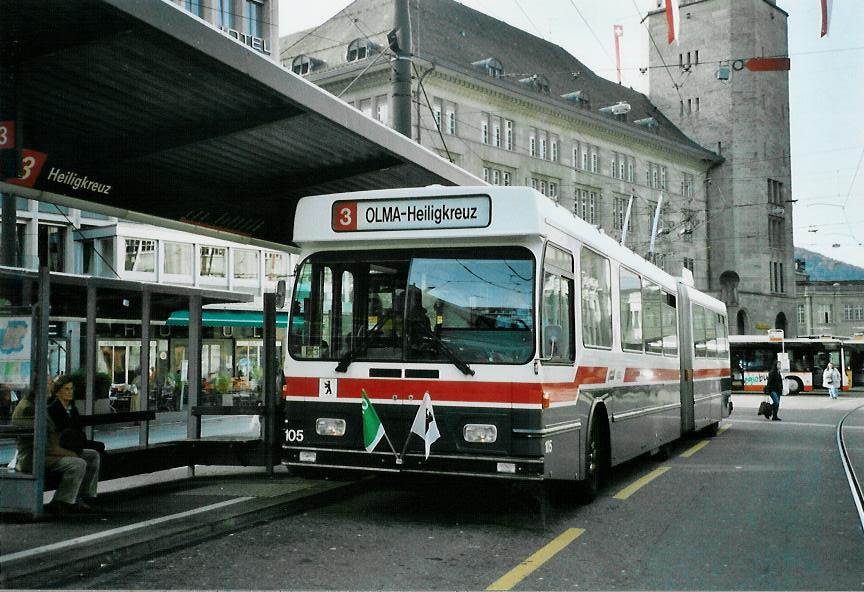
(373, 431)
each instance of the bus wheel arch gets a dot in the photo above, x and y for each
(796, 385)
(596, 455)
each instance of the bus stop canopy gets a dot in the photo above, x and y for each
(143, 111)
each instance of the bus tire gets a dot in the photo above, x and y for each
(596, 460)
(711, 429)
(795, 385)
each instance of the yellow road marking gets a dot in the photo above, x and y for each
(695, 449)
(724, 427)
(524, 569)
(639, 483)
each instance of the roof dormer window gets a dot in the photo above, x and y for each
(359, 49)
(302, 65)
(537, 82)
(492, 67)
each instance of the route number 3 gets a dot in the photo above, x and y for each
(7, 134)
(344, 216)
(31, 166)
(294, 435)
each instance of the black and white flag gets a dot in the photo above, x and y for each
(424, 423)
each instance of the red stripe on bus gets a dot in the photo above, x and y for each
(712, 373)
(651, 374)
(482, 392)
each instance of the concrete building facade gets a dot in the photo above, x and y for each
(705, 88)
(830, 308)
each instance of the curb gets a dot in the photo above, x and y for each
(52, 568)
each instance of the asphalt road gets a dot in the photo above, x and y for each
(764, 505)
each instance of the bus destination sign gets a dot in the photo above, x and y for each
(433, 213)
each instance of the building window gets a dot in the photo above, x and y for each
(213, 262)
(543, 148)
(595, 160)
(619, 212)
(224, 14)
(662, 177)
(802, 316)
(630, 170)
(194, 7)
(436, 114)
(301, 65)
(382, 110)
(585, 205)
(140, 255)
(775, 192)
(508, 134)
(576, 156)
(613, 166)
(532, 146)
(451, 123)
(826, 314)
(178, 258)
(486, 173)
(584, 158)
(507, 179)
(553, 190)
(496, 177)
(484, 128)
(276, 266)
(359, 49)
(496, 133)
(245, 264)
(554, 148)
(688, 263)
(365, 107)
(252, 17)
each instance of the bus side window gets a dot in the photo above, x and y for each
(699, 339)
(557, 306)
(651, 317)
(670, 325)
(630, 291)
(596, 299)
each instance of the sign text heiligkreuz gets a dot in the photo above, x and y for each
(420, 213)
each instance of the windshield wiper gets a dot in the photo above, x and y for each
(461, 364)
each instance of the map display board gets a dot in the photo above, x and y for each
(15, 356)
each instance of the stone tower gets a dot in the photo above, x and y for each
(705, 87)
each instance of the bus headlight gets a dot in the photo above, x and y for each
(327, 426)
(482, 433)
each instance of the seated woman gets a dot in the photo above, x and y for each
(79, 470)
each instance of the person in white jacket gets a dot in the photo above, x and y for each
(831, 380)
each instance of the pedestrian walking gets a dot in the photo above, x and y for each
(831, 380)
(775, 389)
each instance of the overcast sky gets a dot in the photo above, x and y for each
(826, 92)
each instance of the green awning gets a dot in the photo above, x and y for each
(226, 318)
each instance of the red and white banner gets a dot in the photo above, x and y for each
(826, 16)
(673, 22)
(618, 31)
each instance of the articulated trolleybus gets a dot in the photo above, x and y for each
(487, 331)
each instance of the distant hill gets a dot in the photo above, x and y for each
(820, 267)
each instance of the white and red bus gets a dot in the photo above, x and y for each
(753, 356)
(548, 351)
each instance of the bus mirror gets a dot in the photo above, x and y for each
(551, 337)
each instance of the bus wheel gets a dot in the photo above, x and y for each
(595, 462)
(711, 429)
(795, 385)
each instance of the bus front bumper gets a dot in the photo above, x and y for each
(440, 464)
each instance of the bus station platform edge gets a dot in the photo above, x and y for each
(148, 515)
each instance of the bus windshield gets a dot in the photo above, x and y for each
(446, 305)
